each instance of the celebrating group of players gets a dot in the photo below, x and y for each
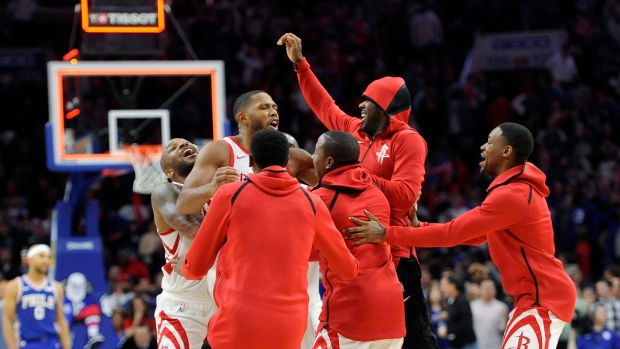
(263, 228)
(243, 237)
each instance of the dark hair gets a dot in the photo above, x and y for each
(269, 148)
(341, 146)
(242, 101)
(520, 138)
(454, 281)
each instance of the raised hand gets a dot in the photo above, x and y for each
(293, 47)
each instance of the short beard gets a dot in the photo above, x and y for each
(369, 129)
(185, 168)
(256, 126)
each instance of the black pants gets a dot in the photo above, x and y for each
(205, 345)
(419, 329)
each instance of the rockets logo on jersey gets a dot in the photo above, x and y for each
(382, 154)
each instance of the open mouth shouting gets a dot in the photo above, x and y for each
(189, 152)
(274, 124)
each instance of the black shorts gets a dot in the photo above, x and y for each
(420, 333)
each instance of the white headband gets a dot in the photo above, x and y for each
(36, 249)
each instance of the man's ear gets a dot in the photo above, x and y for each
(253, 165)
(330, 163)
(169, 173)
(241, 117)
(508, 150)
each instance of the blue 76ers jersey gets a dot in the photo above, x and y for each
(36, 311)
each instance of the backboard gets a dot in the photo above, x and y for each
(98, 108)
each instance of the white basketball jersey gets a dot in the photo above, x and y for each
(176, 245)
(239, 157)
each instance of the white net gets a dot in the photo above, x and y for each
(145, 161)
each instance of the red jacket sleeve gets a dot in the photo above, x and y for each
(330, 243)
(403, 188)
(321, 102)
(500, 210)
(209, 239)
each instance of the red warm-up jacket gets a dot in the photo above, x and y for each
(369, 307)
(264, 229)
(515, 220)
(395, 158)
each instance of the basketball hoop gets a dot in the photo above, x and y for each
(145, 161)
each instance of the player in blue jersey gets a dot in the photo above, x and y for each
(36, 303)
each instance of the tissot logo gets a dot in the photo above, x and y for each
(123, 18)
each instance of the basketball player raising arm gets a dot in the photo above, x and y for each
(36, 302)
(228, 160)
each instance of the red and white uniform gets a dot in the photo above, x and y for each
(239, 157)
(532, 328)
(314, 305)
(184, 307)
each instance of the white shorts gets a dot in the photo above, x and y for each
(181, 321)
(329, 339)
(532, 328)
(314, 307)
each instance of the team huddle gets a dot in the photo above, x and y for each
(249, 221)
(249, 254)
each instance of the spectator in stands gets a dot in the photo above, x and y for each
(138, 313)
(489, 316)
(601, 336)
(10, 269)
(151, 250)
(424, 28)
(460, 330)
(116, 321)
(562, 66)
(437, 311)
(141, 338)
(120, 294)
(609, 302)
(130, 266)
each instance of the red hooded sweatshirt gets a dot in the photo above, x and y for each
(264, 229)
(369, 307)
(395, 158)
(515, 220)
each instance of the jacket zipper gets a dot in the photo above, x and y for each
(327, 300)
(369, 146)
(537, 302)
